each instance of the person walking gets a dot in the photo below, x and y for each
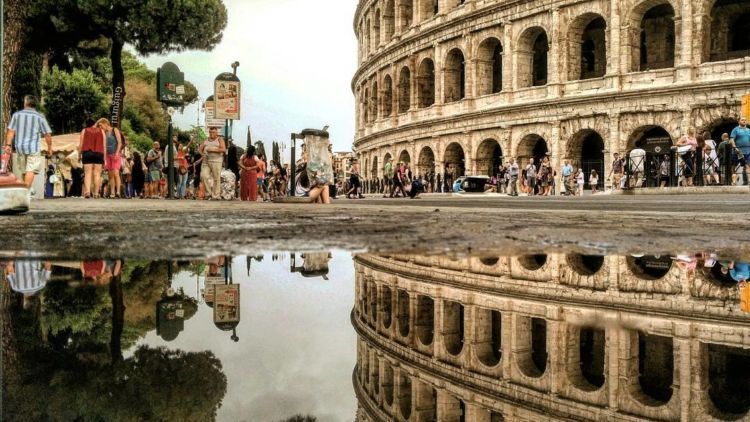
(139, 176)
(388, 179)
(91, 149)
(127, 176)
(213, 150)
(617, 172)
(112, 161)
(249, 175)
(24, 133)
(398, 181)
(594, 181)
(155, 165)
(740, 138)
(710, 161)
(579, 182)
(687, 146)
(182, 171)
(262, 178)
(545, 177)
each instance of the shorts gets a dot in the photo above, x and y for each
(147, 177)
(113, 162)
(30, 163)
(530, 181)
(92, 157)
(155, 175)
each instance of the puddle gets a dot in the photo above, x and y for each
(341, 336)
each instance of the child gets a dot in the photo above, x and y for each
(579, 182)
(593, 181)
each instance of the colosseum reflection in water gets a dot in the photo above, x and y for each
(548, 338)
(464, 83)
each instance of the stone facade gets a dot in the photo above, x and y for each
(465, 84)
(547, 338)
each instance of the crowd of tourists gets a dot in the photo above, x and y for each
(694, 160)
(105, 166)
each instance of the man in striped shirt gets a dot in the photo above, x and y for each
(27, 127)
(28, 277)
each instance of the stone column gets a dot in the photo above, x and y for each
(509, 83)
(612, 373)
(685, 27)
(555, 59)
(556, 146)
(614, 28)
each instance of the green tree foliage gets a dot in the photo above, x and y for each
(260, 150)
(150, 26)
(69, 98)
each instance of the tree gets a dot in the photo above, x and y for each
(69, 98)
(260, 149)
(150, 26)
(14, 32)
(276, 153)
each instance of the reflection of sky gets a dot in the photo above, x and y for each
(297, 349)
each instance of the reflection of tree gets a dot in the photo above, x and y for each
(78, 371)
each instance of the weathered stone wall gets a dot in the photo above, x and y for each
(654, 63)
(521, 343)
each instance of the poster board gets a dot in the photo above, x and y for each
(227, 303)
(227, 97)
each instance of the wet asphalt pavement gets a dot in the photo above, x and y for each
(437, 224)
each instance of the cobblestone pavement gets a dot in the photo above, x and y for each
(478, 225)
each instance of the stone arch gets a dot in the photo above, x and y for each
(531, 335)
(404, 157)
(531, 146)
(404, 90)
(374, 112)
(386, 306)
(427, 9)
(405, 14)
(591, 351)
(389, 20)
(366, 106)
(655, 368)
(533, 262)
(368, 34)
(719, 126)
(585, 149)
(454, 76)
(388, 383)
(455, 159)
(728, 372)
(649, 267)
(488, 333)
(533, 50)
(489, 261)
(372, 306)
(652, 138)
(426, 83)
(489, 66)
(585, 265)
(387, 101)
(425, 321)
(403, 312)
(653, 35)
(729, 32)
(375, 374)
(426, 161)
(489, 157)
(587, 47)
(376, 30)
(426, 401)
(375, 169)
(453, 327)
(404, 395)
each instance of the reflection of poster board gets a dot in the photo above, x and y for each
(227, 99)
(211, 281)
(211, 120)
(227, 303)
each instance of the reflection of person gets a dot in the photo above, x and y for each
(28, 278)
(739, 271)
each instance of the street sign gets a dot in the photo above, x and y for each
(227, 97)
(211, 120)
(170, 85)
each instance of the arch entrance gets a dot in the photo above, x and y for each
(455, 160)
(531, 146)
(489, 157)
(426, 161)
(586, 151)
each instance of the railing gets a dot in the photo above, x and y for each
(693, 168)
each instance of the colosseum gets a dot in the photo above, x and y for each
(548, 338)
(461, 85)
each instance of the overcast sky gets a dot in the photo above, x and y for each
(297, 59)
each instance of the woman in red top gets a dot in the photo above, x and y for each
(91, 151)
(249, 175)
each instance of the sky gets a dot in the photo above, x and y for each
(297, 59)
(297, 347)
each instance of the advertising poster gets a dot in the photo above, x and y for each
(227, 303)
(227, 98)
(209, 293)
(211, 120)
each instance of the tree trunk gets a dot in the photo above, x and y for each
(15, 34)
(118, 82)
(118, 318)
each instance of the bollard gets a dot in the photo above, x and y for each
(674, 178)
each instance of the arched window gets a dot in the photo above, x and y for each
(426, 83)
(376, 30)
(404, 90)
(389, 20)
(387, 106)
(532, 57)
(490, 67)
(657, 38)
(588, 47)
(455, 76)
(730, 30)
(406, 14)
